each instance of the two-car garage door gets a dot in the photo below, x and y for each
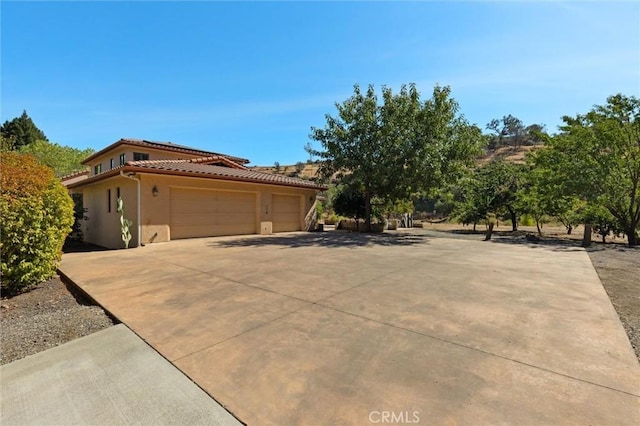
(209, 213)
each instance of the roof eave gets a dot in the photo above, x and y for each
(131, 142)
(137, 169)
(103, 150)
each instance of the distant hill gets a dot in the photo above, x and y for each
(509, 154)
(310, 170)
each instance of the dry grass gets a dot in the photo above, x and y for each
(548, 231)
(509, 154)
(310, 171)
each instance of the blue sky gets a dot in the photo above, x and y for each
(250, 79)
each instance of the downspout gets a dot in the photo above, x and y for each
(138, 209)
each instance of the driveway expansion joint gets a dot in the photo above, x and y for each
(242, 333)
(293, 351)
(451, 342)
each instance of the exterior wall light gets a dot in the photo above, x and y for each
(155, 191)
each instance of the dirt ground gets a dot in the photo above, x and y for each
(47, 316)
(619, 271)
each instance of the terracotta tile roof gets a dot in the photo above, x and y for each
(195, 167)
(216, 159)
(74, 174)
(167, 146)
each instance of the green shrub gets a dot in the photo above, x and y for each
(319, 209)
(331, 219)
(37, 214)
(78, 216)
(527, 220)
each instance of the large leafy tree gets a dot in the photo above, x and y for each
(397, 148)
(349, 202)
(492, 189)
(544, 193)
(22, 131)
(596, 157)
(509, 130)
(62, 159)
(512, 132)
(471, 204)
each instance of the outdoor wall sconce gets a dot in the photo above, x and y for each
(155, 191)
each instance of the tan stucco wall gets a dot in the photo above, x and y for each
(155, 213)
(103, 227)
(154, 154)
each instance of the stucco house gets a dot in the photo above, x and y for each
(172, 191)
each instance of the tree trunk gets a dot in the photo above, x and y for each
(586, 237)
(514, 219)
(367, 211)
(569, 229)
(631, 236)
(487, 236)
(538, 226)
(474, 226)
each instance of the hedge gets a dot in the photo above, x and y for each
(37, 214)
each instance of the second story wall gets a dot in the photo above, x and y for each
(123, 153)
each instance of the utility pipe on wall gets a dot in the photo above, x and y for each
(138, 210)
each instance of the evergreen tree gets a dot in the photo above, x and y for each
(22, 130)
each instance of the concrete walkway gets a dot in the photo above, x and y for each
(345, 328)
(110, 377)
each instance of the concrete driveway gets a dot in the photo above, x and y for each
(340, 328)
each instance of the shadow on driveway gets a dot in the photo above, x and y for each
(552, 243)
(518, 238)
(71, 246)
(328, 239)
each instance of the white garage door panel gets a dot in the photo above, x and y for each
(207, 213)
(286, 213)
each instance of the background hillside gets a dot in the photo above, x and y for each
(300, 170)
(309, 170)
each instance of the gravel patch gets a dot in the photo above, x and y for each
(44, 317)
(619, 269)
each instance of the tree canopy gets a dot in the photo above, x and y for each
(398, 148)
(511, 131)
(596, 157)
(22, 131)
(491, 189)
(62, 159)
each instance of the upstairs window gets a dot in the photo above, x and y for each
(111, 163)
(139, 156)
(97, 169)
(123, 159)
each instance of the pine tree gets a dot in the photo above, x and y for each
(22, 130)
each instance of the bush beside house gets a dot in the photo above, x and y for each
(37, 215)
